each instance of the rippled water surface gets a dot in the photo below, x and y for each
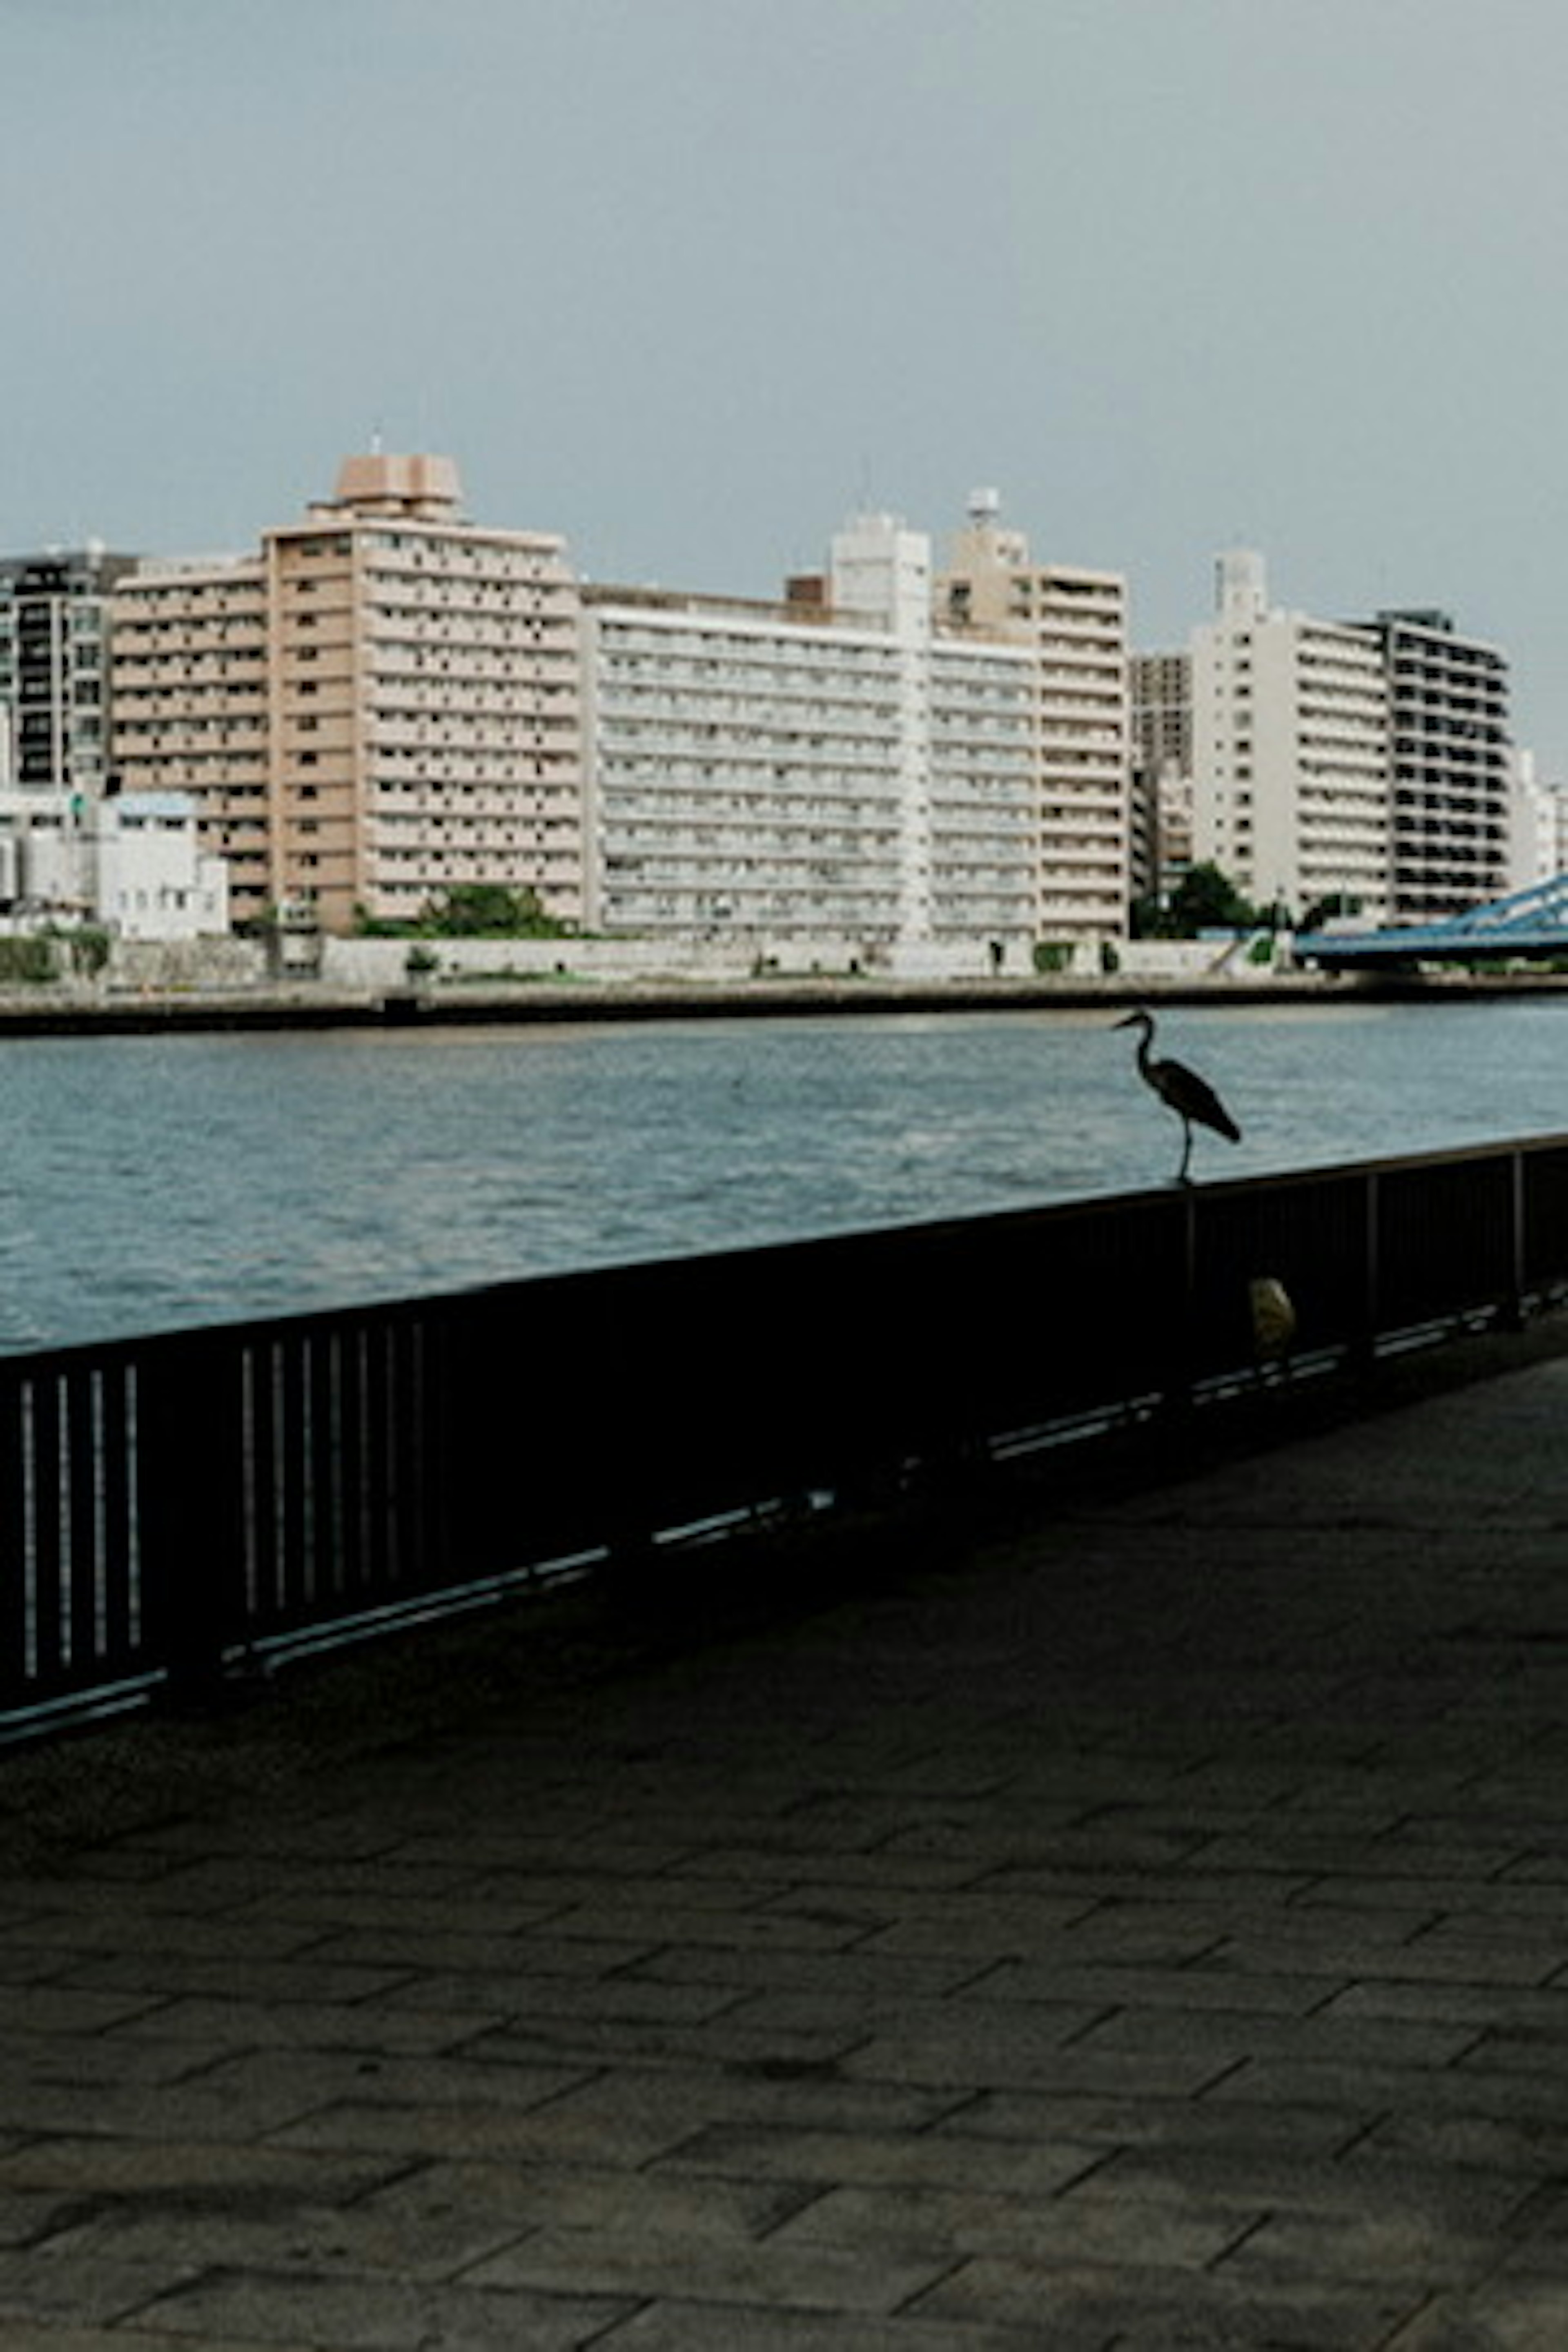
(153, 1181)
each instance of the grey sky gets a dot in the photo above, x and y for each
(687, 279)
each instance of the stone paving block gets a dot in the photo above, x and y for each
(910, 2217)
(980, 1924)
(1476, 1898)
(38, 2287)
(364, 2315)
(1499, 2009)
(626, 1997)
(675, 1920)
(674, 2326)
(1140, 2117)
(1346, 2184)
(43, 2335)
(475, 1912)
(300, 2081)
(977, 2054)
(187, 2110)
(1350, 1955)
(509, 2198)
(71, 2011)
(189, 2030)
(1466, 2144)
(1523, 2049)
(949, 2159)
(1108, 1985)
(153, 1975)
(1502, 2315)
(1380, 2248)
(801, 1866)
(130, 1928)
(710, 2270)
(896, 1975)
(1382, 2090)
(490, 1996)
(860, 2016)
(1327, 2037)
(652, 2042)
(457, 2132)
(94, 2171)
(1066, 2301)
(287, 2238)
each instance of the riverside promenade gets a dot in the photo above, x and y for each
(1134, 1919)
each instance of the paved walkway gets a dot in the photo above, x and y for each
(1144, 1928)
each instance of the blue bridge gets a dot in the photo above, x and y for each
(1529, 924)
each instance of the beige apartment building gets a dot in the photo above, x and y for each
(1290, 733)
(382, 704)
(1074, 622)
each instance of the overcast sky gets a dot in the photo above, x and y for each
(688, 279)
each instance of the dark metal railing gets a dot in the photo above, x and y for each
(167, 1504)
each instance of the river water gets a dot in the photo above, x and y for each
(156, 1181)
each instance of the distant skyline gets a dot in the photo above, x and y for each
(687, 280)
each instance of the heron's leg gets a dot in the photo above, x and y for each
(1186, 1151)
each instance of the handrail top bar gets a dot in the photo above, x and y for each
(136, 1347)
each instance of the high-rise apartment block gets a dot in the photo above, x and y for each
(1365, 765)
(834, 765)
(53, 669)
(1452, 766)
(1290, 736)
(53, 721)
(1161, 723)
(192, 701)
(383, 705)
(1075, 623)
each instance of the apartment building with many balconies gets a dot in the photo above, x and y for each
(1075, 623)
(53, 722)
(383, 705)
(1452, 766)
(1290, 722)
(832, 766)
(1160, 723)
(191, 698)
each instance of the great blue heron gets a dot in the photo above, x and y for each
(1190, 1096)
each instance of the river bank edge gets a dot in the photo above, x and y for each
(70, 1010)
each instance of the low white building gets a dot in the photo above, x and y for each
(153, 881)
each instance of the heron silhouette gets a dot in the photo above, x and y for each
(1191, 1098)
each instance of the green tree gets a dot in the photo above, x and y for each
(481, 911)
(1206, 899)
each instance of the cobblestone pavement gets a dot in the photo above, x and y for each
(1146, 1928)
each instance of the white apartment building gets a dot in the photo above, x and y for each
(1290, 746)
(833, 766)
(383, 705)
(1075, 623)
(1538, 827)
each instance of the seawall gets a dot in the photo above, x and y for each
(76, 1011)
